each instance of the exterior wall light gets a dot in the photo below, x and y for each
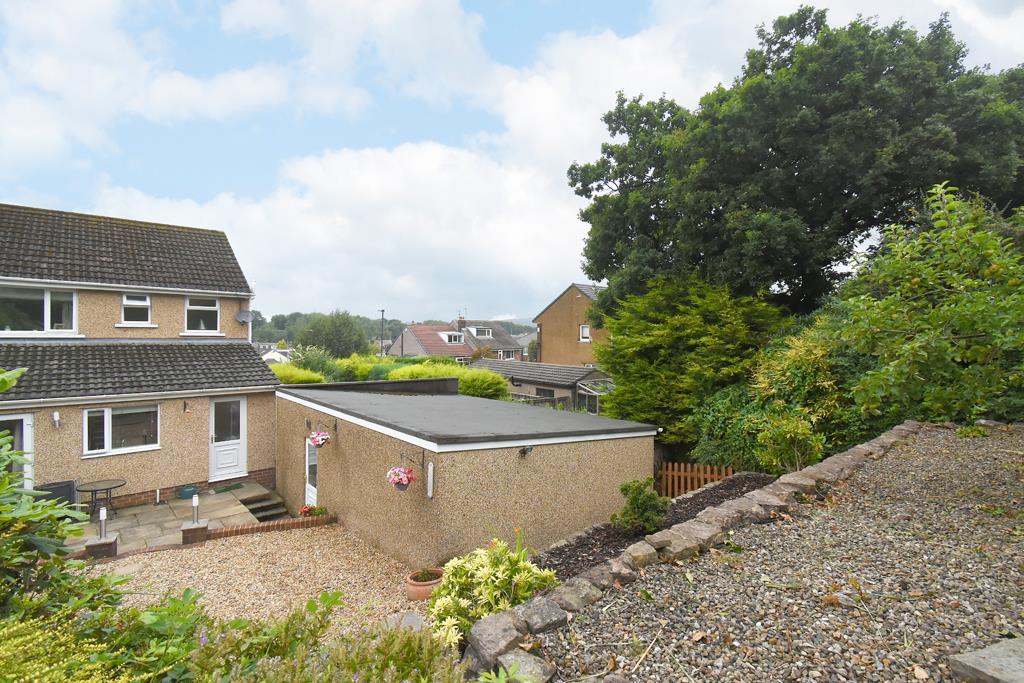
(525, 451)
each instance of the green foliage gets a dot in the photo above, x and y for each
(378, 654)
(828, 134)
(485, 581)
(288, 326)
(676, 345)
(504, 676)
(319, 360)
(49, 650)
(942, 310)
(472, 381)
(291, 374)
(644, 509)
(338, 333)
(971, 432)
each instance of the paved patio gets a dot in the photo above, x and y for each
(148, 526)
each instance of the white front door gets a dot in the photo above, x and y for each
(310, 473)
(20, 427)
(227, 438)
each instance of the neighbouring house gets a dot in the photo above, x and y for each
(564, 333)
(459, 339)
(277, 356)
(482, 467)
(136, 337)
(568, 386)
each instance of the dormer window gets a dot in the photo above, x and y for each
(136, 309)
(36, 311)
(482, 332)
(452, 337)
(202, 315)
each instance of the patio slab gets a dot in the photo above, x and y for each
(147, 526)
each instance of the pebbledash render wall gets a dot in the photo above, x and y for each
(478, 495)
(99, 313)
(183, 456)
(558, 341)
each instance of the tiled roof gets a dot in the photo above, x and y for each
(499, 339)
(591, 291)
(42, 244)
(540, 373)
(83, 368)
(430, 340)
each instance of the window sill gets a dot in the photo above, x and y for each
(121, 451)
(584, 341)
(202, 334)
(131, 325)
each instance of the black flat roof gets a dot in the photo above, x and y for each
(447, 419)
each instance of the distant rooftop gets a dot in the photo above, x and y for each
(540, 373)
(457, 419)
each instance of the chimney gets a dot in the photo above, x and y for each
(460, 324)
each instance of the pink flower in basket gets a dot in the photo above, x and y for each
(318, 439)
(400, 476)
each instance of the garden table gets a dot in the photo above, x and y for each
(100, 491)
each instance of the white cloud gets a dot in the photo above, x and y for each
(174, 96)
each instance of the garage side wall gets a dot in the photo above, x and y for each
(553, 492)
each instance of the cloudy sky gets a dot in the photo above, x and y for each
(399, 154)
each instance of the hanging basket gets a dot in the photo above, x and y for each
(319, 439)
(400, 477)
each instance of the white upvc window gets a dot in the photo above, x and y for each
(483, 332)
(506, 354)
(202, 315)
(37, 312)
(452, 337)
(136, 310)
(462, 360)
(584, 333)
(109, 431)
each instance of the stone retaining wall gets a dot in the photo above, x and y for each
(494, 640)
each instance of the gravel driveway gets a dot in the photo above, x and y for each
(264, 575)
(919, 557)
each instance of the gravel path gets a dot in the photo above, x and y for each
(920, 556)
(263, 575)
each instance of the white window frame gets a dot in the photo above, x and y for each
(107, 450)
(190, 307)
(462, 360)
(447, 337)
(585, 339)
(28, 446)
(46, 331)
(506, 354)
(483, 332)
(148, 305)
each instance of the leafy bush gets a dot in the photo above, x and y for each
(485, 581)
(472, 381)
(319, 360)
(377, 654)
(339, 333)
(942, 309)
(675, 346)
(290, 374)
(49, 650)
(644, 509)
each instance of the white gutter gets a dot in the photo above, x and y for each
(131, 398)
(467, 446)
(67, 284)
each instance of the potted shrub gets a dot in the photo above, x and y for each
(312, 511)
(319, 439)
(400, 477)
(420, 584)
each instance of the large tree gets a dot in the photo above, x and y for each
(827, 135)
(339, 333)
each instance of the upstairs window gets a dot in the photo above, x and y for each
(202, 314)
(27, 309)
(483, 332)
(136, 309)
(584, 333)
(452, 337)
(506, 354)
(120, 430)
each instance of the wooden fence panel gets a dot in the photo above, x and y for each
(677, 478)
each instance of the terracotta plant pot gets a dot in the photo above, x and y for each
(421, 590)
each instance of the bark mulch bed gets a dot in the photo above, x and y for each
(607, 541)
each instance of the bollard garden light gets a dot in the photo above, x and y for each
(103, 522)
(195, 509)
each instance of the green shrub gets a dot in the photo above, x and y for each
(485, 581)
(472, 381)
(644, 509)
(49, 650)
(290, 374)
(319, 360)
(672, 348)
(378, 654)
(971, 432)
